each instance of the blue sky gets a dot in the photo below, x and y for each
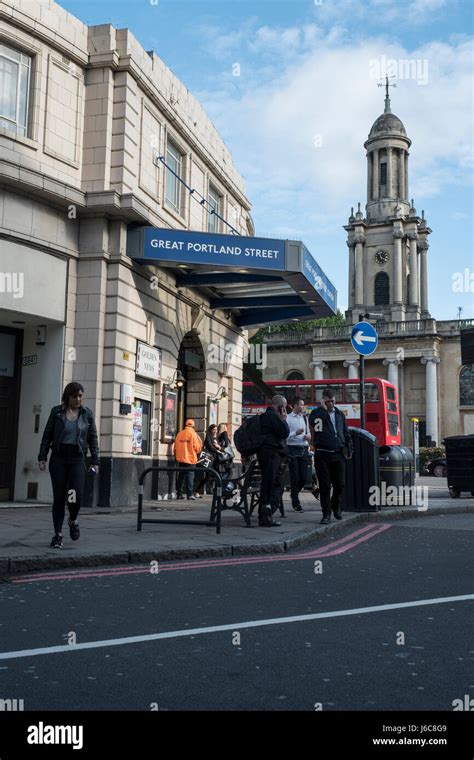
(290, 86)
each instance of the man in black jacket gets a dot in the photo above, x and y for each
(274, 427)
(333, 443)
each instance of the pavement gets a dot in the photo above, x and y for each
(110, 537)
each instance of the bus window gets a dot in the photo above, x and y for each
(352, 393)
(288, 391)
(393, 423)
(251, 395)
(318, 392)
(304, 392)
(371, 392)
(390, 393)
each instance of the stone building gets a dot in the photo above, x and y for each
(97, 138)
(388, 276)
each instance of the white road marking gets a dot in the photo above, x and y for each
(228, 627)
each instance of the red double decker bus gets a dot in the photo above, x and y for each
(382, 417)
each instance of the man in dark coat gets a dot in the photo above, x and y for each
(274, 427)
(333, 444)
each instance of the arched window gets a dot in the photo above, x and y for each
(466, 385)
(382, 289)
(295, 375)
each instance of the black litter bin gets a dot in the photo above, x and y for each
(460, 464)
(397, 476)
(362, 473)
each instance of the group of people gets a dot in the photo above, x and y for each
(286, 440)
(289, 439)
(190, 452)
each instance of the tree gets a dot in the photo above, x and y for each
(336, 321)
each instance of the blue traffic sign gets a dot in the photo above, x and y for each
(364, 338)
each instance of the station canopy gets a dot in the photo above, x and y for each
(259, 280)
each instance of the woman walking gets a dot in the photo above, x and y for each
(70, 431)
(212, 447)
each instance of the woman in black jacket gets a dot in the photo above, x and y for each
(211, 445)
(69, 432)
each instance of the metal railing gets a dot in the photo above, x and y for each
(343, 332)
(216, 502)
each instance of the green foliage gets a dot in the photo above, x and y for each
(430, 453)
(336, 321)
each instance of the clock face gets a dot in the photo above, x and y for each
(381, 257)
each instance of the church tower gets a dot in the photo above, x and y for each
(388, 248)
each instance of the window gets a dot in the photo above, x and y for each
(318, 392)
(466, 385)
(174, 171)
(352, 393)
(141, 427)
(371, 392)
(305, 392)
(214, 201)
(295, 375)
(381, 289)
(383, 174)
(15, 70)
(390, 393)
(251, 395)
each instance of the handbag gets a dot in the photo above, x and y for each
(227, 455)
(204, 460)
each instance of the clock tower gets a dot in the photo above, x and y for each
(388, 247)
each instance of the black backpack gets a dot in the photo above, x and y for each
(248, 438)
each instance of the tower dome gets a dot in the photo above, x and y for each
(388, 123)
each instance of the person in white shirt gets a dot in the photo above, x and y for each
(298, 451)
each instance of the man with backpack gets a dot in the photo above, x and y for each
(275, 430)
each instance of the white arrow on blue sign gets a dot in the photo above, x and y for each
(364, 338)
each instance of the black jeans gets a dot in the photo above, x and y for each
(331, 471)
(68, 474)
(186, 475)
(269, 461)
(298, 466)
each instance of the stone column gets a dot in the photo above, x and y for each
(359, 270)
(397, 267)
(423, 248)
(406, 154)
(389, 172)
(413, 294)
(350, 289)
(352, 366)
(431, 397)
(375, 174)
(392, 365)
(318, 369)
(369, 176)
(401, 175)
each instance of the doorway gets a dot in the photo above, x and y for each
(192, 396)
(10, 376)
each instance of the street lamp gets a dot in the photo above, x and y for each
(177, 381)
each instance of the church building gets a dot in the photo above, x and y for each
(388, 278)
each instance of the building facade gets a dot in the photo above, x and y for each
(97, 138)
(388, 277)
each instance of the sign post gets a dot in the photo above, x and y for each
(364, 340)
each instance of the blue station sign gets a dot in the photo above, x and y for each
(320, 282)
(180, 246)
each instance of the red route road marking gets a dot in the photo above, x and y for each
(329, 550)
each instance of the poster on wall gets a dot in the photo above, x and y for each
(170, 415)
(137, 424)
(212, 411)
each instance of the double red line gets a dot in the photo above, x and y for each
(328, 550)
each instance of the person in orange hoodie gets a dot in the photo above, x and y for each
(186, 448)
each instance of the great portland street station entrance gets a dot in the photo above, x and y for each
(259, 280)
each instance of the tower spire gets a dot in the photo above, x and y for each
(387, 99)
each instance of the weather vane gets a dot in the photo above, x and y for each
(387, 85)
